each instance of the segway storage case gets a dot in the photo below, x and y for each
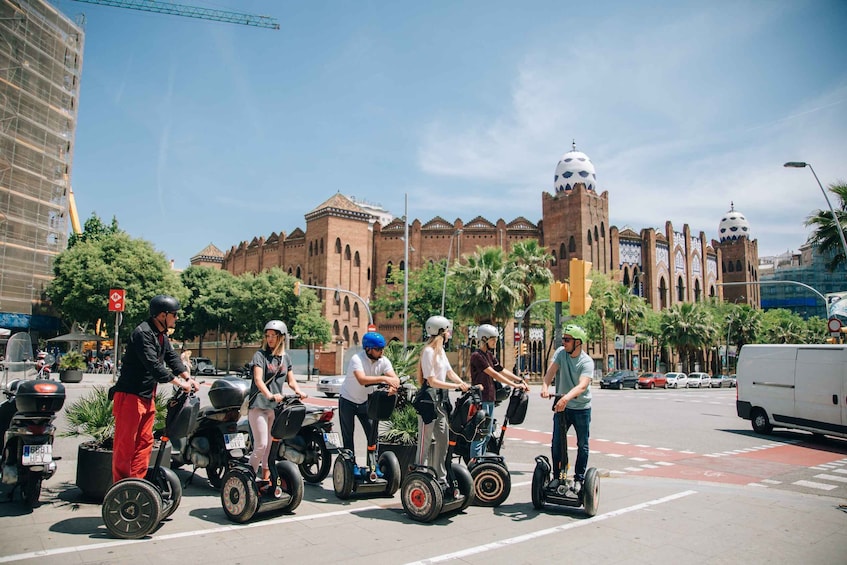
(228, 392)
(288, 419)
(518, 403)
(381, 405)
(39, 396)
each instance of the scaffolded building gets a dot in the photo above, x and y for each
(40, 68)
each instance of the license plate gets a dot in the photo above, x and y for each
(332, 440)
(235, 441)
(37, 454)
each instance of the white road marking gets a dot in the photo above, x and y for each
(564, 527)
(810, 484)
(832, 478)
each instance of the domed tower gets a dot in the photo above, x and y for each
(739, 258)
(575, 219)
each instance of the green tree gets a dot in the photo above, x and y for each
(689, 329)
(269, 296)
(782, 326)
(84, 274)
(425, 286)
(624, 310)
(487, 288)
(530, 259)
(826, 235)
(214, 298)
(94, 229)
(310, 327)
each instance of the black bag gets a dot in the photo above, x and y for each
(381, 404)
(468, 419)
(181, 419)
(518, 403)
(288, 418)
(425, 402)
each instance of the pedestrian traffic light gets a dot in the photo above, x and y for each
(558, 291)
(297, 288)
(580, 285)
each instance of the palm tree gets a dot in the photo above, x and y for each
(623, 309)
(487, 290)
(826, 235)
(531, 260)
(688, 328)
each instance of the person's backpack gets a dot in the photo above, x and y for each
(424, 403)
(468, 419)
(181, 419)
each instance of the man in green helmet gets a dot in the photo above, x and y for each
(573, 369)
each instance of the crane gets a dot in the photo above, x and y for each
(190, 12)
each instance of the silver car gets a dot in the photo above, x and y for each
(331, 385)
(677, 380)
(699, 380)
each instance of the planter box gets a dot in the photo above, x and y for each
(406, 455)
(94, 469)
(70, 376)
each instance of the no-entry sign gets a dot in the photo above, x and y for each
(116, 300)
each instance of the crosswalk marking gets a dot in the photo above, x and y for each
(831, 478)
(811, 484)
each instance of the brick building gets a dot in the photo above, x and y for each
(355, 246)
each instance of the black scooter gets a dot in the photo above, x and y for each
(378, 475)
(133, 508)
(564, 491)
(242, 497)
(423, 497)
(491, 477)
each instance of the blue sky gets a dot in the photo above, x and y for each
(193, 132)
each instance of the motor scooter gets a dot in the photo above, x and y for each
(26, 425)
(220, 433)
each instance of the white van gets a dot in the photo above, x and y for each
(793, 386)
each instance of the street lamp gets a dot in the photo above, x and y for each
(800, 165)
(447, 268)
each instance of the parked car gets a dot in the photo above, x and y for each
(677, 380)
(331, 385)
(652, 380)
(733, 382)
(698, 380)
(202, 366)
(718, 381)
(619, 379)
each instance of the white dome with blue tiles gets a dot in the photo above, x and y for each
(574, 167)
(733, 225)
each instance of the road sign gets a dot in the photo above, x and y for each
(834, 327)
(517, 335)
(116, 300)
(519, 314)
(371, 328)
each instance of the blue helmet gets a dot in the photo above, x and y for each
(373, 340)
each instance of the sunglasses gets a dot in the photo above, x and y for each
(174, 314)
(567, 339)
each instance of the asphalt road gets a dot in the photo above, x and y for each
(684, 481)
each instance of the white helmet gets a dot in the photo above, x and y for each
(436, 325)
(276, 325)
(486, 331)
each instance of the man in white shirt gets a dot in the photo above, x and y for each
(366, 369)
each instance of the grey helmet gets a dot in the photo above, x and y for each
(437, 325)
(163, 303)
(486, 331)
(277, 325)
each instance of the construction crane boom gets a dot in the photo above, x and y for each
(190, 12)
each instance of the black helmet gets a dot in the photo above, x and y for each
(163, 303)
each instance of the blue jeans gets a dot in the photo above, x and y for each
(478, 446)
(581, 421)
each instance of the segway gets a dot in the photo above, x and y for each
(133, 508)
(564, 491)
(491, 478)
(242, 496)
(423, 497)
(379, 475)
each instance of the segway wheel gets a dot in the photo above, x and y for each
(239, 495)
(591, 491)
(291, 483)
(169, 485)
(390, 467)
(422, 497)
(466, 487)
(132, 508)
(342, 477)
(492, 484)
(540, 478)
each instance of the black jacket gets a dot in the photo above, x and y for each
(149, 359)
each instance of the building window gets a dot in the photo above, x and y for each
(563, 253)
(572, 245)
(738, 266)
(347, 304)
(347, 252)
(338, 245)
(357, 262)
(310, 249)
(402, 265)
(388, 273)
(589, 237)
(322, 246)
(680, 290)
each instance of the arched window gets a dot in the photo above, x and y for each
(357, 262)
(289, 270)
(298, 272)
(346, 334)
(723, 267)
(355, 338)
(402, 265)
(603, 230)
(336, 329)
(347, 304)
(355, 309)
(738, 267)
(388, 273)
(347, 252)
(553, 261)
(663, 294)
(731, 267)
(563, 252)
(369, 273)
(697, 297)
(322, 246)
(310, 249)
(572, 245)
(338, 245)
(680, 290)
(589, 237)
(596, 238)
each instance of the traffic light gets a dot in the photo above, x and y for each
(580, 285)
(523, 348)
(559, 291)
(296, 288)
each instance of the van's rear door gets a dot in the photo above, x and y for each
(819, 388)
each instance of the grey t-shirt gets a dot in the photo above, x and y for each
(570, 370)
(274, 370)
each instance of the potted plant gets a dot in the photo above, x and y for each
(399, 433)
(71, 366)
(91, 416)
